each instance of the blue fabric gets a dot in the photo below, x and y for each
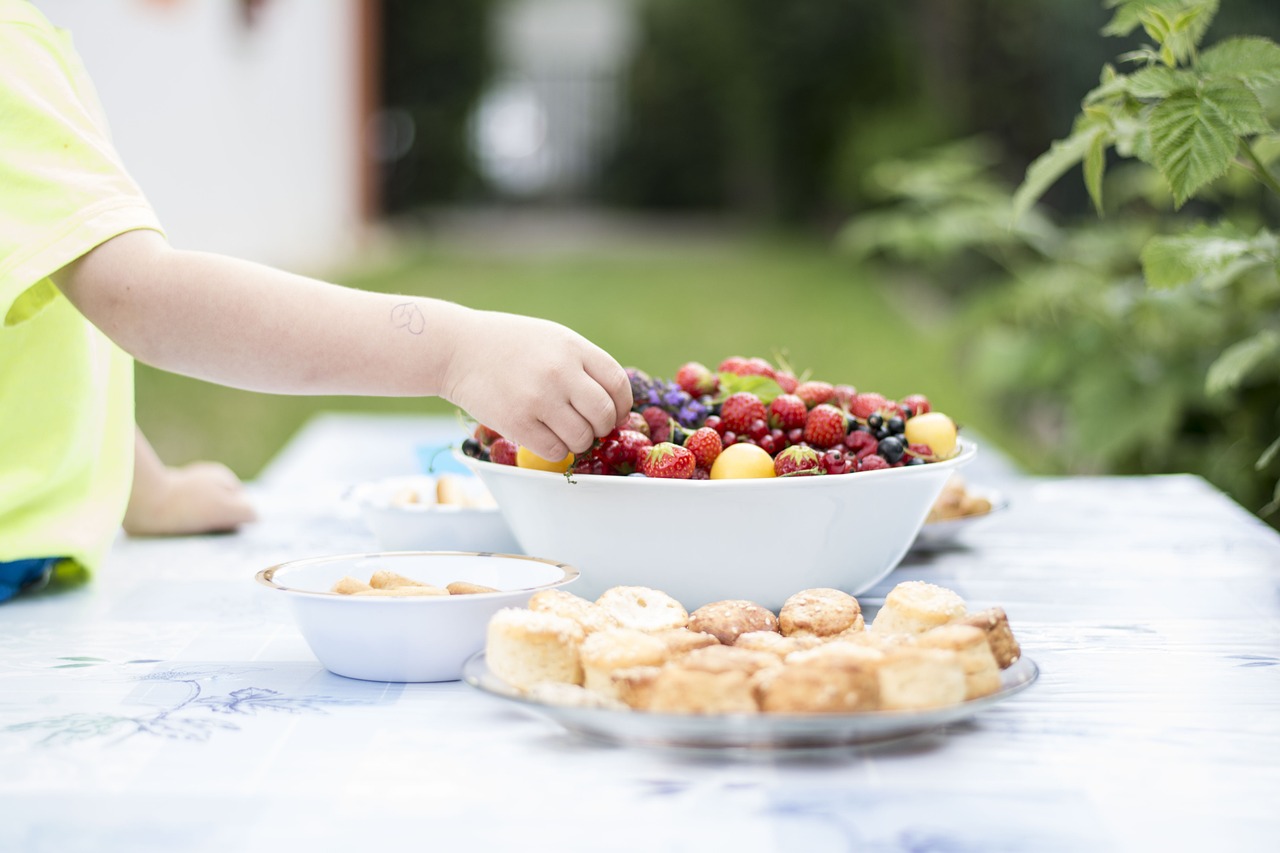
(439, 459)
(25, 574)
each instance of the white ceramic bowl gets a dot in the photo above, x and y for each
(426, 638)
(425, 525)
(707, 540)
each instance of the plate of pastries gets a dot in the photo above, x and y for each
(635, 667)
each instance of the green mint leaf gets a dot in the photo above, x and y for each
(1214, 255)
(1254, 61)
(1192, 142)
(1045, 170)
(1237, 361)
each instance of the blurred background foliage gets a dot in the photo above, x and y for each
(867, 153)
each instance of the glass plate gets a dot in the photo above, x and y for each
(749, 731)
(942, 534)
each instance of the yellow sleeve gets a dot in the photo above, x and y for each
(63, 189)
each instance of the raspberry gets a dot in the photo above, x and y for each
(739, 410)
(860, 444)
(917, 403)
(659, 423)
(866, 405)
(842, 396)
(814, 393)
(715, 423)
(797, 461)
(872, 463)
(921, 451)
(667, 461)
(697, 379)
(705, 445)
(787, 411)
(825, 427)
(636, 421)
(503, 451)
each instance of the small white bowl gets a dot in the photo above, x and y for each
(706, 540)
(424, 525)
(422, 638)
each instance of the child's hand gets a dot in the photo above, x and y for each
(203, 497)
(536, 382)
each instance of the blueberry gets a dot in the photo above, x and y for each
(891, 449)
(471, 447)
(896, 426)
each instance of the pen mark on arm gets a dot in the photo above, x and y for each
(410, 317)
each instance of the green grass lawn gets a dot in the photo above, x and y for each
(653, 307)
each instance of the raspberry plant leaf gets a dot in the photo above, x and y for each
(1216, 256)
(1236, 362)
(1252, 60)
(1193, 142)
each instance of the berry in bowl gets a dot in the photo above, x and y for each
(405, 616)
(734, 485)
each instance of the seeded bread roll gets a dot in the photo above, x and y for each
(681, 641)
(913, 679)
(775, 644)
(982, 673)
(818, 688)
(728, 620)
(605, 652)
(913, 607)
(995, 624)
(680, 690)
(525, 648)
(728, 659)
(820, 612)
(586, 613)
(643, 609)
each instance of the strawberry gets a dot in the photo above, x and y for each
(631, 445)
(733, 364)
(813, 393)
(667, 461)
(843, 396)
(798, 461)
(739, 410)
(786, 381)
(659, 423)
(866, 405)
(705, 445)
(787, 411)
(697, 379)
(503, 451)
(486, 435)
(917, 403)
(636, 421)
(825, 427)
(759, 367)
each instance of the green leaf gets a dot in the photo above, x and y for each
(1129, 15)
(1214, 255)
(1157, 81)
(1238, 104)
(1045, 170)
(1240, 359)
(1268, 455)
(1254, 61)
(1095, 161)
(762, 386)
(1192, 141)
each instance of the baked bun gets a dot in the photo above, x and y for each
(681, 641)
(775, 644)
(680, 690)
(837, 653)
(605, 652)
(913, 679)
(643, 609)
(818, 688)
(525, 648)
(913, 607)
(729, 659)
(634, 685)
(995, 624)
(820, 612)
(586, 613)
(982, 674)
(728, 620)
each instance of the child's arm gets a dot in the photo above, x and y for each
(203, 497)
(254, 327)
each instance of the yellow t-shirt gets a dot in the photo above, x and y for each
(66, 391)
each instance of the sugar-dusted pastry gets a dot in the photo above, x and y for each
(820, 612)
(586, 613)
(818, 688)
(912, 679)
(571, 696)
(604, 652)
(634, 685)
(678, 689)
(728, 620)
(643, 609)
(982, 673)
(776, 644)
(525, 648)
(995, 624)
(729, 659)
(681, 641)
(836, 653)
(349, 586)
(913, 607)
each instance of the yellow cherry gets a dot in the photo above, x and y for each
(741, 462)
(526, 458)
(934, 429)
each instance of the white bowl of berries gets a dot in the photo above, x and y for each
(747, 494)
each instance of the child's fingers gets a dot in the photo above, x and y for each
(595, 405)
(542, 440)
(570, 427)
(601, 367)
